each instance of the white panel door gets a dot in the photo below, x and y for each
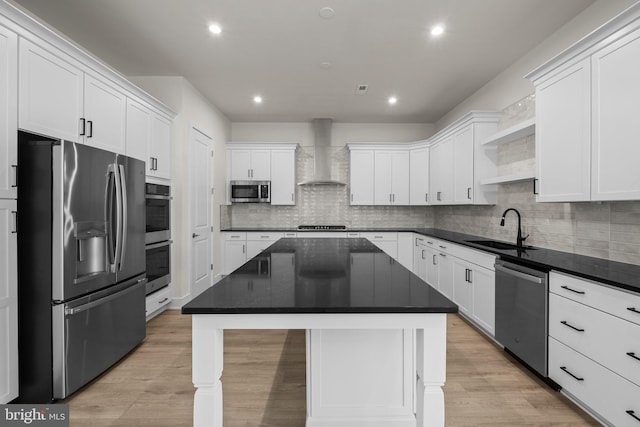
(8, 303)
(463, 166)
(50, 94)
(240, 165)
(400, 177)
(200, 192)
(405, 250)
(261, 165)
(563, 135)
(8, 113)
(160, 146)
(361, 177)
(419, 177)
(432, 267)
(138, 135)
(382, 178)
(420, 261)
(283, 177)
(105, 111)
(616, 121)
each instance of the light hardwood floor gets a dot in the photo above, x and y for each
(264, 383)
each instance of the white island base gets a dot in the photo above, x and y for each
(363, 370)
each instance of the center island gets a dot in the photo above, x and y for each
(375, 332)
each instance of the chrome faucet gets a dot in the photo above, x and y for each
(519, 239)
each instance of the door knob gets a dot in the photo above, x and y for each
(194, 235)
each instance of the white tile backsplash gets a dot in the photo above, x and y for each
(609, 230)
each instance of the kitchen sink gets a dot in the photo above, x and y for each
(499, 245)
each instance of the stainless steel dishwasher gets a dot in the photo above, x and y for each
(521, 313)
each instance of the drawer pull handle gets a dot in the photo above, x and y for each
(564, 322)
(633, 414)
(632, 354)
(572, 290)
(564, 368)
(635, 310)
(163, 300)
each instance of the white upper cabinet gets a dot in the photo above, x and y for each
(441, 172)
(160, 147)
(463, 166)
(104, 115)
(419, 176)
(50, 94)
(361, 176)
(615, 147)
(563, 135)
(283, 177)
(587, 113)
(391, 177)
(250, 164)
(8, 113)
(148, 138)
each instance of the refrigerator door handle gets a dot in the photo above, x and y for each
(124, 212)
(112, 235)
(118, 237)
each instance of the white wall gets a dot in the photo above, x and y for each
(342, 133)
(193, 110)
(509, 86)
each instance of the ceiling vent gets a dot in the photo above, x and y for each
(362, 89)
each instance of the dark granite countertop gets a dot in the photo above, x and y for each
(309, 275)
(617, 274)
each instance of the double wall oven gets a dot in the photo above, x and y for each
(158, 236)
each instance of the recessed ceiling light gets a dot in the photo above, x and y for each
(327, 12)
(257, 99)
(392, 100)
(215, 28)
(437, 30)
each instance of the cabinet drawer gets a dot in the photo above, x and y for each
(609, 395)
(235, 236)
(387, 236)
(257, 235)
(157, 300)
(353, 234)
(609, 340)
(611, 300)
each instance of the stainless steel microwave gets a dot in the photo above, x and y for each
(250, 191)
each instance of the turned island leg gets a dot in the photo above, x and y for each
(431, 356)
(208, 351)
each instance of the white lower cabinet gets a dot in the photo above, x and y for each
(611, 397)
(258, 242)
(405, 250)
(445, 274)
(387, 241)
(462, 292)
(8, 302)
(594, 350)
(157, 302)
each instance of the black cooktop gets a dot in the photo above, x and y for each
(322, 227)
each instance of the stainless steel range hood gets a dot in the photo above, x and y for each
(322, 154)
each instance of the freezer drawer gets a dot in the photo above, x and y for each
(90, 336)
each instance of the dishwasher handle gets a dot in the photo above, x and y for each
(519, 274)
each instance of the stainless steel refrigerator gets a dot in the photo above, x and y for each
(81, 263)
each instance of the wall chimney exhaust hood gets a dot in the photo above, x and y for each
(322, 154)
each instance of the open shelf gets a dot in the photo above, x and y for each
(506, 179)
(522, 129)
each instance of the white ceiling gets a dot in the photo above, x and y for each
(275, 48)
